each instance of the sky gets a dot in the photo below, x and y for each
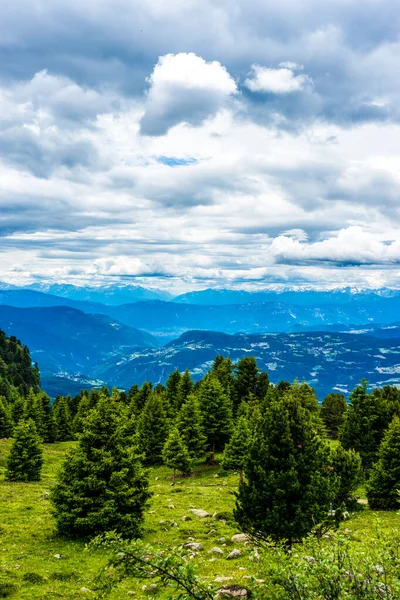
(200, 143)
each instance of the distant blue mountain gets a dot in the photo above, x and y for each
(302, 297)
(168, 320)
(65, 339)
(114, 294)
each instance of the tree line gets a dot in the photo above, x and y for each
(298, 463)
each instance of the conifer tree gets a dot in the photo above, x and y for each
(84, 407)
(384, 482)
(175, 453)
(17, 410)
(333, 410)
(216, 411)
(366, 420)
(289, 484)
(6, 422)
(172, 386)
(102, 485)
(139, 399)
(44, 417)
(237, 449)
(152, 429)
(24, 463)
(63, 421)
(30, 411)
(189, 424)
(185, 387)
(223, 368)
(347, 465)
(245, 379)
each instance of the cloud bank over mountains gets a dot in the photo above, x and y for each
(200, 143)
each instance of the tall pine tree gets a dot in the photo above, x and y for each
(289, 483)
(102, 485)
(237, 449)
(189, 424)
(175, 453)
(152, 429)
(384, 483)
(216, 410)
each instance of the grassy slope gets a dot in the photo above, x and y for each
(28, 545)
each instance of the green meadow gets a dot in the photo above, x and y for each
(36, 564)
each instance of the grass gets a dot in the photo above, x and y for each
(35, 564)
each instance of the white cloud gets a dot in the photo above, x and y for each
(352, 245)
(185, 88)
(277, 81)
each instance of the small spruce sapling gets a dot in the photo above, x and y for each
(175, 453)
(237, 449)
(24, 463)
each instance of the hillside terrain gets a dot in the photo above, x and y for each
(327, 361)
(65, 339)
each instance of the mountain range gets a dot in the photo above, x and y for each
(83, 337)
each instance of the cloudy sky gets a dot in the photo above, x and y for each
(196, 143)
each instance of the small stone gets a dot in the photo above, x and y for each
(212, 532)
(195, 547)
(86, 590)
(222, 579)
(162, 522)
(232, 591)
(234, 554)
(216, 476)
(185, 518)
(221, 540)
(174, 524)
(198, 512)
(216, 550)
(240, 537)
(171, 506)
(151, 588)
(46, 495)
(59, 556)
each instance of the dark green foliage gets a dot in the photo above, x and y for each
(333, 410)
(189, 424)
(102, 485)
(63, 421)
(223, 370)
(245, 379)
(17, 410)
(152, 429)
(24, 463)
(365, 423)
(384, 481)
(288, 484)
(175, 453)
(139, 397)
(185, 386)
(347, 465)
(44, 417)
(6, 422)
(84, 408)
(262, 385)
(172, 386)
(16, 370)
(237, 449)
(216, 410)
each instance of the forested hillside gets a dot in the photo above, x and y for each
(17, 374)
